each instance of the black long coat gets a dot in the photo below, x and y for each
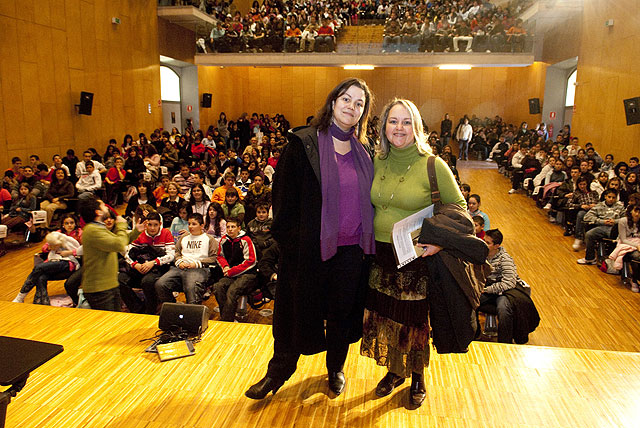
(298, 322)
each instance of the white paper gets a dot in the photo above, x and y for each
(403, 234)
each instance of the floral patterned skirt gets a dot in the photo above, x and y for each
(396, 322)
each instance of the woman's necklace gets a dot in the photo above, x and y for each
(384, 176)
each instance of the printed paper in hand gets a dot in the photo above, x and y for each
(404, 236)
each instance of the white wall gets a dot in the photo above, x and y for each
(190, 97)
(554, 97)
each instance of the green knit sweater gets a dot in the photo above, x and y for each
(409, 186)
(100, 255)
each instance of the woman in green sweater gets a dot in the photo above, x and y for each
(396, 323)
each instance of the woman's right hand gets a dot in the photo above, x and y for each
(429, 249)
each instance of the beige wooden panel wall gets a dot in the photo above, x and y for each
(50, 50)
(608, 66)
(298, 91)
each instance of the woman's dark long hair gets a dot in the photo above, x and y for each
(630, 222)
(219, 217)
(322, 120)
(73, 217)
(192, 199)
(616, 169)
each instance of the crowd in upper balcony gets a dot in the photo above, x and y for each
(411, 26)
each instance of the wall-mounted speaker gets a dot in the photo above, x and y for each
(632, 110)
(194, 319)
(206, 100)
(86, 103)
(534, 105)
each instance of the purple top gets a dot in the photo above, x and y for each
(350, 230)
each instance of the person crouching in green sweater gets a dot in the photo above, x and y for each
(100, 254)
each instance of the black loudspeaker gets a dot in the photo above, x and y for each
(206, 100)
(534, 105)
(632, 110)
(194, 319)
(86, 103)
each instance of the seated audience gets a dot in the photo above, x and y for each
(604, 215)
(184, 179)
(60, 191)
(21, 208)
(478, 224)
(581, 202)
(115, 182)
(147, 259)
(61, 248)
(215, 224)
(627, 248)
(180, 224)
(517, 316)
(257, 193)
(199, 178)
(259, 229)
(473, 204)
(81, 167)
(237, 258)
(199, 202)
(232, 207)
(143, 196)
(89, 182)
(220, 192)
(195, 252)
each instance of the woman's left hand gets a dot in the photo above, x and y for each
(429, 250)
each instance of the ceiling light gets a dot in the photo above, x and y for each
(358, 67)
(455, 67)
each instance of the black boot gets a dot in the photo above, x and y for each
(418, 389)
(336, 382)
(262, 388)
(389, 382)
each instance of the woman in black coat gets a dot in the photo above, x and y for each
(323, 223)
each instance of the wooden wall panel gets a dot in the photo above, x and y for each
(607, 74)
(570, 33)
(53, 49)
(298, 92)
(8, 8)
(58, 15)
(175, 41)
(3, 137)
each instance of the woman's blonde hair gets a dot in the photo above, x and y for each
(420, 139)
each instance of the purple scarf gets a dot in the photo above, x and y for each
(330, 184)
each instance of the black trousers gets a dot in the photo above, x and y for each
(341, 276)
(108, 300)
(133, 279)
(72, 285)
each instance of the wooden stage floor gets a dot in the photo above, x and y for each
(105, 379)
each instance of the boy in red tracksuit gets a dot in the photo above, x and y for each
(148, 258)
(237, 258)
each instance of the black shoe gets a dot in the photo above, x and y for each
(388, 383)
(262, 388)
(336, 382)
(418, 390)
